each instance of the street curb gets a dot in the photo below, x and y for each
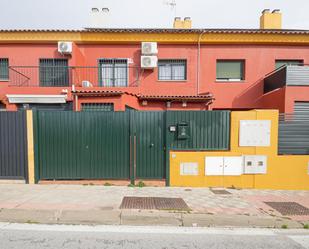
(142, 218)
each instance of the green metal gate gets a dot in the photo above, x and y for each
(122, 145)
(147, 129)
(82, 145)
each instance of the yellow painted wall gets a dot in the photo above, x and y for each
(167, 38)
(30, 146)
(283, 172)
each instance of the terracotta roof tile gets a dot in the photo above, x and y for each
(203, 97)
(93, 92)
(164, 30)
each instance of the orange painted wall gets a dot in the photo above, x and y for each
(274, 99)
(121, 102)
(293, 94)
(29, 55)
(260, 60)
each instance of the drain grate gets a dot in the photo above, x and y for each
(220, 192)
(159, 203)
(289, 208)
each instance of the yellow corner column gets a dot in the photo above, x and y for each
(30, 146)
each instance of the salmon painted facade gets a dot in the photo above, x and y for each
(195, 69)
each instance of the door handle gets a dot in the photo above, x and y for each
(152, 144)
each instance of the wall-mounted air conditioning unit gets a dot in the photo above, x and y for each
(64, 47)
(149, 48)
(149, 62)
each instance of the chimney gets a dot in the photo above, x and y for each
(177, 23)
(185, 24)
(271, 20)
(99, 17)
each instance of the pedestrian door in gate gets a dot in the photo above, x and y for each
(147, 145)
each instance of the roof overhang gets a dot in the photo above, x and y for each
(168, 36)
(206, 98)
(97, 93)
(32, 98)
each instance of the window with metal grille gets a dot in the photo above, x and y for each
(113, 72)
(54, 72)
(280, 63)
(230, 70)
(105, 107)
(172, 70)
(47, 107)
(4, 69)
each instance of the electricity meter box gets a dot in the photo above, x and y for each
(183, 131)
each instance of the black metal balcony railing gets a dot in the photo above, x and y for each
(54, 76)
(287, 75)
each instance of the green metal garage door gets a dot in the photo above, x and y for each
(82, 145)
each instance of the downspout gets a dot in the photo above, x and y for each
(76, 103)
(75, 98)
(198, 62)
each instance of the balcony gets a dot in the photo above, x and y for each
(54, 76)
(293, 75)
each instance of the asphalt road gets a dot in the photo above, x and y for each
(26, 236)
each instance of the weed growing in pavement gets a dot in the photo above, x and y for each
(141, 184)
(32, 222)
(306, 226)
(108, 184)
(284, 226)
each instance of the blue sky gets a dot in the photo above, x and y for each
(75, 14)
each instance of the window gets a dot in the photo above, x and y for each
(47, 107)
(4, 69)
(102, 107)
(54, 72)
(113, 72)
(230, 70)
(280, 63)
(172, 70)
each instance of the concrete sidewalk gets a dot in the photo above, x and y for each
(78, 204)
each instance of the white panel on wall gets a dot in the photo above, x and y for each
(214, 166)
(249, 165)
(254, 133)
(189, 169)
(261, 164)
(255, 164)
(233, 166)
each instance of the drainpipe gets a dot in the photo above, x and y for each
(75, 97)
(198, 62)
(76, 103)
